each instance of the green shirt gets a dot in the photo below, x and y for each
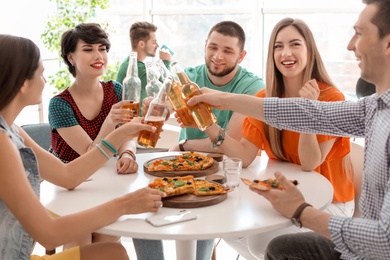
(141, 74)
(244, 82)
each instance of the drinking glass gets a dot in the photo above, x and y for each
(232, 168)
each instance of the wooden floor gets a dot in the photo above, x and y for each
(224, 251)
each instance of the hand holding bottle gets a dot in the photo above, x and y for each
(201, 112)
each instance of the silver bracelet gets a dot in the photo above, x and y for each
(219, 139)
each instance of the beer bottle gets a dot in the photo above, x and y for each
(131, 86)
(201, 112)
(153, 84)
(175, 97)
(155, 116)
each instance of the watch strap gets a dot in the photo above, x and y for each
(296, 218)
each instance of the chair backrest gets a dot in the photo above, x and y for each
(40, 133)
(357, 159)
(364, 88)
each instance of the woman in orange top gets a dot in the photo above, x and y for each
(295, 69)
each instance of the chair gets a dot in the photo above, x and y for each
(357, 159)
(40, 133)
(364, 88)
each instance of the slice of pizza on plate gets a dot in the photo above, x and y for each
(174, 186)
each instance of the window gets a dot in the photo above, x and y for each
(183, 25)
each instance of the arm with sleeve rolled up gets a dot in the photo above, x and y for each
(295, 114)
(244, 104)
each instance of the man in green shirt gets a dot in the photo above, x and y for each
(224, 51)
(144, 42)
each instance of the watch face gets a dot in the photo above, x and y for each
(296, 222)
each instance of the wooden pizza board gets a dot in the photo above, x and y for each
(199, 173)
(192, 201)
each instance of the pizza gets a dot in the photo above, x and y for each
(175, 186)
(268, 184)
(188, 161)
(204, 187)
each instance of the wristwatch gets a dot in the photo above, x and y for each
(181, 144)
(296, 218)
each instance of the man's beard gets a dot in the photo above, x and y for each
(223, 73)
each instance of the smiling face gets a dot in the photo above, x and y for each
(89, 59)
(369, 48)
(290, 52)
(222, 54)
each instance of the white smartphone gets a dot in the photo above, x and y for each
(159, 220)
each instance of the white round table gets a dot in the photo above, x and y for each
(242, 213)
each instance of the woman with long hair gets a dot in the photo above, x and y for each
(295, 70)
(23, 165)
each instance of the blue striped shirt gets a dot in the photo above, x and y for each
(355, 238)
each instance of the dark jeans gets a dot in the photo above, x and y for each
(307, 245)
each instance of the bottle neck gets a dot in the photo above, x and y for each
(183, 78)
(132, 69)
(163, 93)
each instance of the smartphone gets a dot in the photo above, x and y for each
(159, 220)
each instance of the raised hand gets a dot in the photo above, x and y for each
(214, 98)
(145, 105)
(310, 90)
(131, 129)
(119, 115)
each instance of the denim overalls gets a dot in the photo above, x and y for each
(15, 242)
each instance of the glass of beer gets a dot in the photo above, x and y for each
(149, 139)
(155, 116)
(134, 106)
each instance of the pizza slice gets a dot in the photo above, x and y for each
(174, 186)
(268, 184)
(204, 188)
